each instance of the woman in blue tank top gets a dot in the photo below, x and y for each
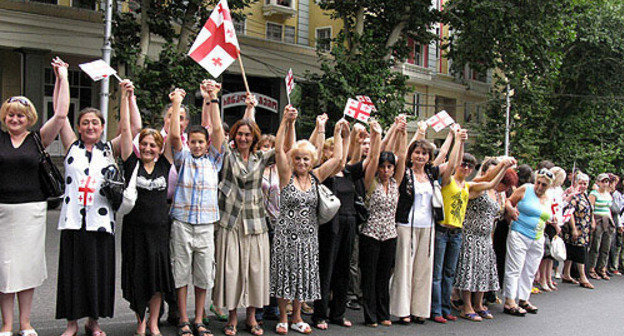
(530, 210)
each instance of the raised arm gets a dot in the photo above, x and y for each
(281, 157)
(53, 126)
(326, 169)
(421, 132)
(456, 156)
(401, 150)
(124, 120)
(389, 138)
(317, 138)
(250, 110)
(355, 143)
(174, 135)
(136, 123)
(373, 157)
(486, 185)
(210, 90)
(446, 146)
(345, 131)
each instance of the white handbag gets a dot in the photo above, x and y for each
(130, 193)
(558, 249)
(328, 203)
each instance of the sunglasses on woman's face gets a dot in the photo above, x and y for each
(546, 172)
(467, 165)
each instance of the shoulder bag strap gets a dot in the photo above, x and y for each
(39, 143)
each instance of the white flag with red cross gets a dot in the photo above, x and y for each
(216, 45)
(440, 121)
(366, 100)
(86, 188)
(97, 70)
(290, 84)
(358, 110)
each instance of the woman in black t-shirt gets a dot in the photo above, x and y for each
(23, 202)
(146, 267)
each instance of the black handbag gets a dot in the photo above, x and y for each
(361, 211)
(113, 185)
(50, 177)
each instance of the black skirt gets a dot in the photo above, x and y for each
(86, 275)
(145, 262)
(576, 253)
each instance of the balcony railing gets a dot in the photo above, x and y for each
(284, 8)
(416, 71)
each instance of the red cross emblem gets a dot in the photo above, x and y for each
(358, 110)
(217, 61)
(86, 191)
(217, 38)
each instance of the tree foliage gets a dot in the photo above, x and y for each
(564, 61)
(172, 24)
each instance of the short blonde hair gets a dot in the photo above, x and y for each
(560, 176)
(19, 104)
(304, 146)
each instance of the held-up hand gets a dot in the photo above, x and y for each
(461, 134)
(321, 120)
(127, 88)
(402, 125)
(339, 125)
(250, 100)
(209, 89)
(509, 162)
(177, 95)
(60, 67)
(290, 114)
(374, 126)
(422, 126)
(345, 129)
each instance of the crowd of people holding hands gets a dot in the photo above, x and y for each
(235, 214)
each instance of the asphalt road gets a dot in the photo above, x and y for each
(569, 311)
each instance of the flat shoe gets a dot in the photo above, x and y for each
(386, 323)
(28, 332)
(281, 328)
(343, 322)
(486, 314)
(515, 311)
(418, 320)
(255, 330)
(531, 309)
(230, 330)
(404, 320)
(587, 285)
(474, 317)
(301, 327)
(570, 281)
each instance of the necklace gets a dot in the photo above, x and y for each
(303, 186)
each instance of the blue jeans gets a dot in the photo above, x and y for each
(446, 253)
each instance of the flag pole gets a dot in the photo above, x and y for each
(240, 62)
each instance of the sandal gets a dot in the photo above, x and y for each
(474, 317)
(8, 333)
(301, 327)
(418, 320)
(220, 316)
(28, 332)
(515, 311)
(405, 320)
(182, 331)
(230, 330)
(204, 332)
(531, 309)
(320, 324)
(593, 275)
(91, 332)
(486, 314)
(604, 275)
(386, 323)
(569, 280)
(255, 330)
(587, 285)
(281, 328)
(343, 322)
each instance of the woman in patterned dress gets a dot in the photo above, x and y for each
(294, 261)
(378, 236)
(576, 233)
(476, 267)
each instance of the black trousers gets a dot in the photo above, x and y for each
(501, 231)
(335, 245)
(376, 262)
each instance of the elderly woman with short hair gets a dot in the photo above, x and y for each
(529, 208)
(576, 232)
(603, 229)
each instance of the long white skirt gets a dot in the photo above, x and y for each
(22, 246)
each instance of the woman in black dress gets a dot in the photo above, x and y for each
(146, 269)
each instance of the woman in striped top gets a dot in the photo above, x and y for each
(603, 229)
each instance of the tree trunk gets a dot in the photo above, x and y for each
(359, 30)
(394, 37)
(188, 24)
(145, 33)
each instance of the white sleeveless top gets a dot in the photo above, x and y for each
(82, 189)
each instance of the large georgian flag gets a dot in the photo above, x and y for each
(440, 121)
(216, 46)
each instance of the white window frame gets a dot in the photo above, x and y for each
(266, 32)
(316, 36)
(244, 32)
(274, 3)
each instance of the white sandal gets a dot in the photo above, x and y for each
(6, 333)
(301, 327)
(28, 332)
(281, 325)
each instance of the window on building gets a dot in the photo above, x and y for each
(415, 104)
(417, 55)
(285, 3)
(52, 2)
(289, 34)
(86, 4)
(239, 26)
(437, 44)
(273, 31)
(447, 104)
(323, 39)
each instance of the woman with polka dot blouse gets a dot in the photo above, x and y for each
(86, 272)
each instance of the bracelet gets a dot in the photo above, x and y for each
(214, 101)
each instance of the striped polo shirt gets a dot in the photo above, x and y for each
(603, 203)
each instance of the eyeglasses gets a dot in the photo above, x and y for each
(546, 172)
(467, 165)
(19, 100)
